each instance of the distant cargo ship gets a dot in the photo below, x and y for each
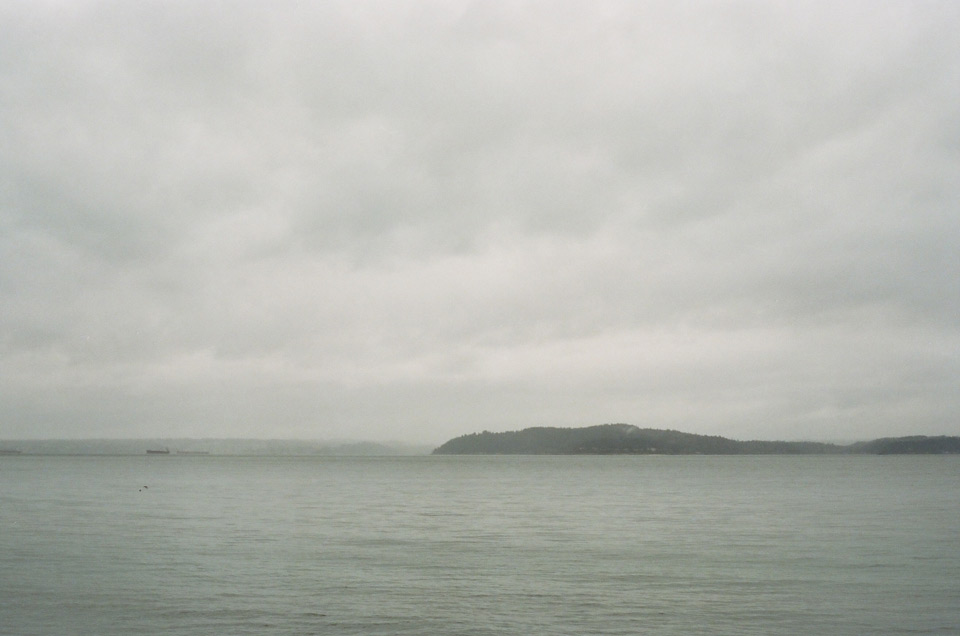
(9, 451)
(158, 451)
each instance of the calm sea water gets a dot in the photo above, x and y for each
(196, 546)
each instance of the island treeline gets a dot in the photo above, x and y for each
(626, 439)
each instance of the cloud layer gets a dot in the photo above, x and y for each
(415, 220)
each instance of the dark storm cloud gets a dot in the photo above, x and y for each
(412, 220)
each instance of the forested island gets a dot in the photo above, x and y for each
(626, 439)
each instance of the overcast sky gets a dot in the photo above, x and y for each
(413, 220)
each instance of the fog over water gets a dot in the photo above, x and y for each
(412, 220)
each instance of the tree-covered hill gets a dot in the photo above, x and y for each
(609, 439)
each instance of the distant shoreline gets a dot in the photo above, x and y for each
(626, 439)
(210, 447)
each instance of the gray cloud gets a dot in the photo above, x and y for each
(413, 220)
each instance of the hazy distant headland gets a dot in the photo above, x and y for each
(625, 439)
(199, 447)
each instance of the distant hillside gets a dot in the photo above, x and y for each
(913, 445)
(609, 439)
